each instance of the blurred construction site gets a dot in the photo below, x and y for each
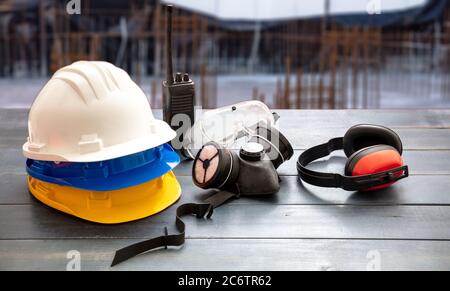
(333, 58)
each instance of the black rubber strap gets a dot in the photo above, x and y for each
(315, 153)
(175, 239)
(333, 180)
(220, 198)
(200, 210)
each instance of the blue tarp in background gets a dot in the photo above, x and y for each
(432, 11)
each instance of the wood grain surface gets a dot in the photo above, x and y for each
(302, 227)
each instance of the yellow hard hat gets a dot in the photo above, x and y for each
(110, 207)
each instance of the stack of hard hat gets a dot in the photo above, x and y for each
(95, 150)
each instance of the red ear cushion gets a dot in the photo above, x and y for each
(376, 160)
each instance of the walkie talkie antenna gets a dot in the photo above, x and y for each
(178, 95)
(169, 68)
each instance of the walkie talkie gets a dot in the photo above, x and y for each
(178, 93)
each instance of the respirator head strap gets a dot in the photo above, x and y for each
(200, 210)
(333, 180)
(220, 198)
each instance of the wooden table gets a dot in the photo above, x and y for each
(301, 228)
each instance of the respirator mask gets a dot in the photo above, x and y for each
(250, 172)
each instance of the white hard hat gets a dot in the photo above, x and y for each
(92, 111)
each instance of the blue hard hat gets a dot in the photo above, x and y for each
(107, 175)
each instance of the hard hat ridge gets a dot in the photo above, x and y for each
(101, 79)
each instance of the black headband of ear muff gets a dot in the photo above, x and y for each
(333, 180)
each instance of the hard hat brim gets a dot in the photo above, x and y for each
(163, 135)
(110, 207)
(107, 175)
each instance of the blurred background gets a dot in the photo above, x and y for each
(311, 54)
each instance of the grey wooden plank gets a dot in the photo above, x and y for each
(232, 255)
(315, 118)
(416, 190)
(420, 162)
(304, 128)
(12, 160)
(308, 120)
(14, 189)
(413, 138)
(301, 138)
(11, 118)
(243, 221)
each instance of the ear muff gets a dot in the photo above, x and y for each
(366, 135)
(215, 167)
(372, 160)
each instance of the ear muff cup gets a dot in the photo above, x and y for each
(373, 160)
(367, 135)
(215, 167)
